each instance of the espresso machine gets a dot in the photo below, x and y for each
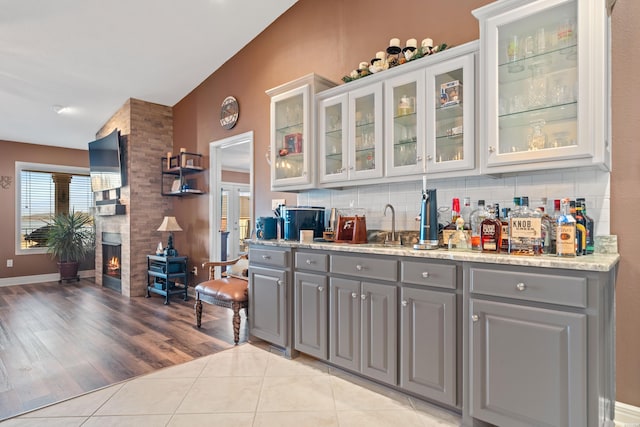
(428, 219)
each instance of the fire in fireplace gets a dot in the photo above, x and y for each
(111, 253)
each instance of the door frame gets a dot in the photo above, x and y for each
(215, 180)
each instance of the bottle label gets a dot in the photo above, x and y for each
(446, 235)
(566, 240)
(526, 228)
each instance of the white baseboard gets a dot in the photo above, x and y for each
(40, 278)
(627, 415)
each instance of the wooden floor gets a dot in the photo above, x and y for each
(62, 340)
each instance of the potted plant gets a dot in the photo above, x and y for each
(71, 236)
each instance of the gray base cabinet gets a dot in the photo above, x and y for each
(270, 293)
(528, 365)
(267, 310)
(363, 328)
(310, 314)
(428, 344)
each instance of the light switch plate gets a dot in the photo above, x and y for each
(277, 202)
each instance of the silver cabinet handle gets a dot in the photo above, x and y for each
(266, 257)
(363, 297)
(429, 157)
(359, 267)
(309, 262)
(279, 282)
(404, 303)
(521, 286)
(354, 295)
(419, 159)
(320, 288)
(492, 149)
(351, 168)
(475, 318)
(425, 274)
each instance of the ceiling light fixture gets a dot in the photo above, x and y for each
(59, 109)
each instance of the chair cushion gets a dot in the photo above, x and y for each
(226, 289)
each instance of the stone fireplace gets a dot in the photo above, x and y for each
(146, 132)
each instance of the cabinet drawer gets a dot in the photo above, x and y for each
(426, 273)
(311, 261)
(372, 268)
(555, 289)
(272, 257)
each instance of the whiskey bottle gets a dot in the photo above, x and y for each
(525, 230)
(581, 231)
(566, 232)
(588, 224)
(491, 232)
(450, 228)
(460, 239)
(477, 216)
(504, 246)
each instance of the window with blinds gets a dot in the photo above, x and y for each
(44, 193)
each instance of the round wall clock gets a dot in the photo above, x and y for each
(229, 112)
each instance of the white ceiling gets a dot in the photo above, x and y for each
(90, 56)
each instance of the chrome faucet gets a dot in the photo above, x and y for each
(393, 240)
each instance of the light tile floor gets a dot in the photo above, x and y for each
(244, 386)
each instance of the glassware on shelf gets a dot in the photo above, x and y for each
(561, 139)
(537, 139)
(537, 93)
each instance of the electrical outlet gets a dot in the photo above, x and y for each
(9, 263)
(277, 202)
(194, 270)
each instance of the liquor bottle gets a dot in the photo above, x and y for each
(450, 228)
(589, 225)
(491, 232)
(465, 213)
(581, 231)
(477, 216)
(566, 232)
(460, 239)
(547, 226)
(504, 246)
(525, 230)
(554, 224)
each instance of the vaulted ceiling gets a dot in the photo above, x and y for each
(67, 65)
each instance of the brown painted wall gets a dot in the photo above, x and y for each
(27, 265)
(233, 176)
(329, 38)
(625, 197)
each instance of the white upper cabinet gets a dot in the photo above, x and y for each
(404, 124)
(544, 91)
(292, 151)
(396, 124)
(451, 108)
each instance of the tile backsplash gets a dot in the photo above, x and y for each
(592, 184)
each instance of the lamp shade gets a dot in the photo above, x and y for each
(169, 223)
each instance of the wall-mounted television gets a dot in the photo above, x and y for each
(105, 163)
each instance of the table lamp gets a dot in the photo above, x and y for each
(170, 224)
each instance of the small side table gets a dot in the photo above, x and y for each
(162, 273)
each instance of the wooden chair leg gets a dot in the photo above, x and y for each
(236, 322)
(198, 308)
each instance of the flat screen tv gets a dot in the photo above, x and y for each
(104, 163)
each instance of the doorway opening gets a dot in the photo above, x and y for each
(230, 199)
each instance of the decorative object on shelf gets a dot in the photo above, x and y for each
(394, 55)
(229, 112)
(170, 224)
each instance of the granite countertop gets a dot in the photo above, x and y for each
(595, 262)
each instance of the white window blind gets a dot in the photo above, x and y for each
(37, 203)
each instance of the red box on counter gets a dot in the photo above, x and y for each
(293, 143)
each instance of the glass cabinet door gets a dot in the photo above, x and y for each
(332, 134)
(450, 115)
(404, 126)
(289, 157)
(545, 83)
(365, 132)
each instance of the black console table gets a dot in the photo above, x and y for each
(162, 273)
